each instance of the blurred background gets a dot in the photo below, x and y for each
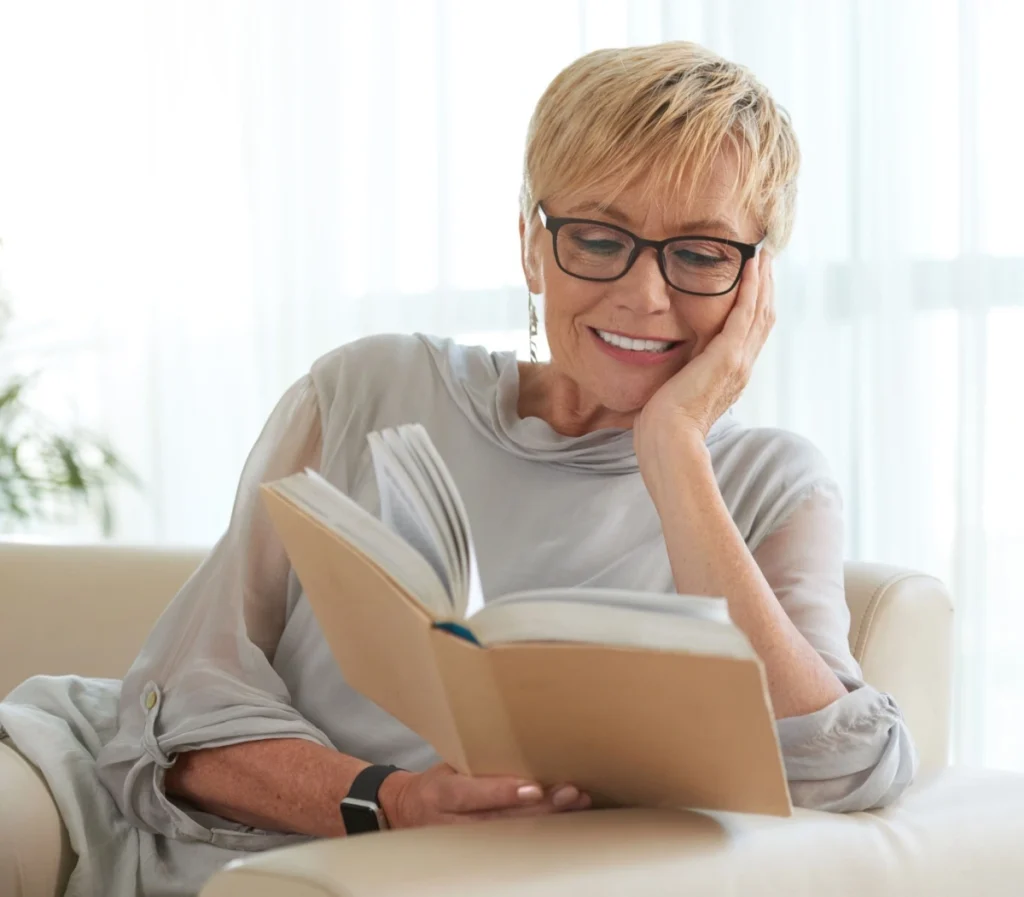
(198, 198)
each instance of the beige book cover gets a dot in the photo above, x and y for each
(629, 725)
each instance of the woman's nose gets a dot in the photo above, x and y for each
(644, 290)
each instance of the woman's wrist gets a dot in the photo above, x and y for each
(390, 797)
(666, 450)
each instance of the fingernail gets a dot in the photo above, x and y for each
(529, 793)
(564, 796)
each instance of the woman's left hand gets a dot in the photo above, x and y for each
(712, 381)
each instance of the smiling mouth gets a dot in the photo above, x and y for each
(652, 346)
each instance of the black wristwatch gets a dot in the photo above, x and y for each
(360, 810)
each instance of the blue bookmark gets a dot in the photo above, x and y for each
(456, 629)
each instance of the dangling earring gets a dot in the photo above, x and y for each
(533, 326)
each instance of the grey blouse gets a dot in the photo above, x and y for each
(238, 655)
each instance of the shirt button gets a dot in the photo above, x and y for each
(151, 700)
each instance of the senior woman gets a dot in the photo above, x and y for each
(658, 184)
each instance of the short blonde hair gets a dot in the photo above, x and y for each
(652, 115)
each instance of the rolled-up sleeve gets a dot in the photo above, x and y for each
(205, 676)
(856, 753)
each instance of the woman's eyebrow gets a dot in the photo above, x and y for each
(592, 206)
(719, 225)
(687, 227)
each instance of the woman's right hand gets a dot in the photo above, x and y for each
(442, 795)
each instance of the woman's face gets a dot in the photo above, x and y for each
(580, 315)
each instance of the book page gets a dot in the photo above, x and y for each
(714, 609)
(413, 449)
(407, 506)
(338, 512)
(471, 598)
(606, 617)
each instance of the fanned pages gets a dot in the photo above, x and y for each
(639, 698)
(367, 534)
(425, 450)
(409, 508)
(420, 502)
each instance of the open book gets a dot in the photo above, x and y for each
(638, 698)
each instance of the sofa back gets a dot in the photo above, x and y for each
(88, 609)
(82, 609)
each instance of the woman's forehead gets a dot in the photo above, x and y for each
(680, 218)
(662, 199)
(661, 209)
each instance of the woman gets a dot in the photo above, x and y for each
(658, 184)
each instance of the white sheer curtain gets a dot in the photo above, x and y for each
(197, 198)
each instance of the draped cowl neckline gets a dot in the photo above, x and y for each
(485, 386)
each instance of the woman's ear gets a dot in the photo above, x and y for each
(527, 257)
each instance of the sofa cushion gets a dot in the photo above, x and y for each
(956, 834)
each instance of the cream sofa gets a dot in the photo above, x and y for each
(87, 609)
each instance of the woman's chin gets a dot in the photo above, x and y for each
(625, 389)
(619, 391)
(626, 401)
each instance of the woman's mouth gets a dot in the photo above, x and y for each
(634, 350)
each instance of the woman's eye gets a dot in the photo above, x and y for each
(601, 247)
(698, 259)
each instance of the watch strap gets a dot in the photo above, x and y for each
(366, 784)
(360, 809)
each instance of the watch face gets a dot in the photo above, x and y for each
(361, 816)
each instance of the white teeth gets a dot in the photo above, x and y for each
(636, 345)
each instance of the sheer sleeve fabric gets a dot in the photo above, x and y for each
(856, 753)
(204, 677)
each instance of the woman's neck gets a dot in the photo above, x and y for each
(558, 401)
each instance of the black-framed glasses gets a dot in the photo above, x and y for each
(596, 250)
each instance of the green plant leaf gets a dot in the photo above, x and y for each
(11, 393)
(44, 471)
(72, 470)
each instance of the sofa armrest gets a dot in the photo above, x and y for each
(959, 833)
(35, 854)
(901, 631)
